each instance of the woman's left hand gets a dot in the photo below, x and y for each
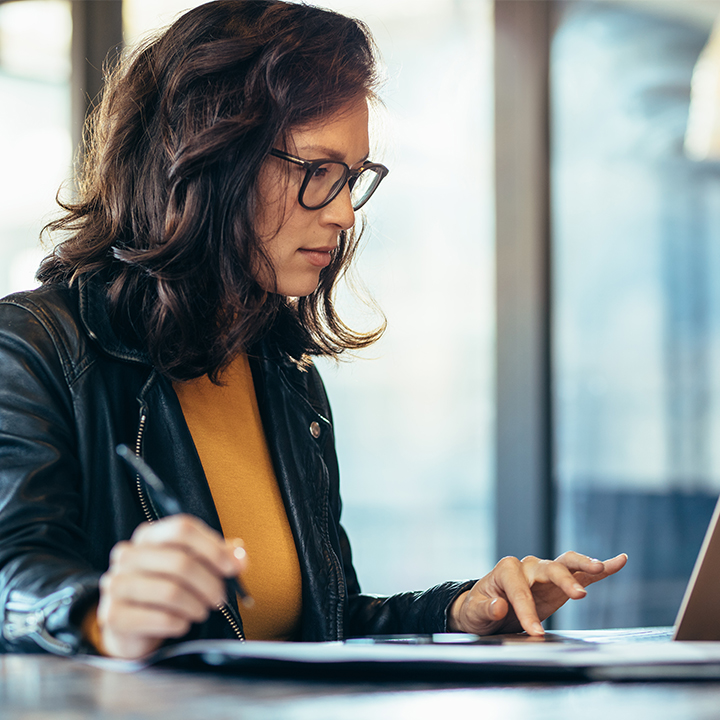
(518, 594)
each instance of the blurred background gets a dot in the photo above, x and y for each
(544, 248)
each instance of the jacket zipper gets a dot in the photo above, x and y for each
(25, 618)
(151, 517)
(335, 563)
(138, 482)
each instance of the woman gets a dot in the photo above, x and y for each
(216, 212)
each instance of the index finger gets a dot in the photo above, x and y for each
(513, 582)
(193, 536)
(588, 570)
(575, 562)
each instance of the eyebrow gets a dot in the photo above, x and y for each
(326, 152)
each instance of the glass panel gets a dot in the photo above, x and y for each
(414, 416)
(636, 233)
(35, 142)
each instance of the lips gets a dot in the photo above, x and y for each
(319, 257)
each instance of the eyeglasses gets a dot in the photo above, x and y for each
(324, 179)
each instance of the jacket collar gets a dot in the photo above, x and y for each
(96, 321)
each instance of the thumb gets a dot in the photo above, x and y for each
(482, 614)
(492, 609)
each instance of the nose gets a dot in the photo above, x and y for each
(340, 211)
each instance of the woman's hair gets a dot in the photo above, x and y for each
(168, 192)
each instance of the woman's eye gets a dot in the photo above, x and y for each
(321, 172)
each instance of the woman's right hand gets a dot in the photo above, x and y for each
(169, 575)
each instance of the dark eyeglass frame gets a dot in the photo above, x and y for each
(351, 177)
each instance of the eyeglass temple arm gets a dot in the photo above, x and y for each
(290, 158)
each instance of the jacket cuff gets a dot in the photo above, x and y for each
(52, 623)
(459, 589)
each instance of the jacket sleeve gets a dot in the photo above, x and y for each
(45, 583)
(410, 612)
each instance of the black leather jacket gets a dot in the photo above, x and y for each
(70, 391)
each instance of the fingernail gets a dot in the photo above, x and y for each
(595, 560)
(580, 588)
(538, 628)
(239, 553)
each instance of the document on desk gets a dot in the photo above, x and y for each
(589, 661)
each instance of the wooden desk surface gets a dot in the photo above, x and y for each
(41, 687)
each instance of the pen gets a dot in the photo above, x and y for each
(169, 504)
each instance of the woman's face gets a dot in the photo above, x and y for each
(299, 242)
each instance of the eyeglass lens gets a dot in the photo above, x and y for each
(327, 180)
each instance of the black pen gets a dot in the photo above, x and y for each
(169, 504)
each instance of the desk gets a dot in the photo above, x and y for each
(42, 687)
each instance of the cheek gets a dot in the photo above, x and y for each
(285, 239)
(279, 246)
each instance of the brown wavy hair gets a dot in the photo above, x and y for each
(168, 191)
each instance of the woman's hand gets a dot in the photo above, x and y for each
(518, 594)
(169, 575)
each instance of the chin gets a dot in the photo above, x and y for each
(298, 288)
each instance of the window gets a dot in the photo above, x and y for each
(35, 143)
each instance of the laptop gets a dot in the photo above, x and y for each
(699, 614)
(698, 618)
